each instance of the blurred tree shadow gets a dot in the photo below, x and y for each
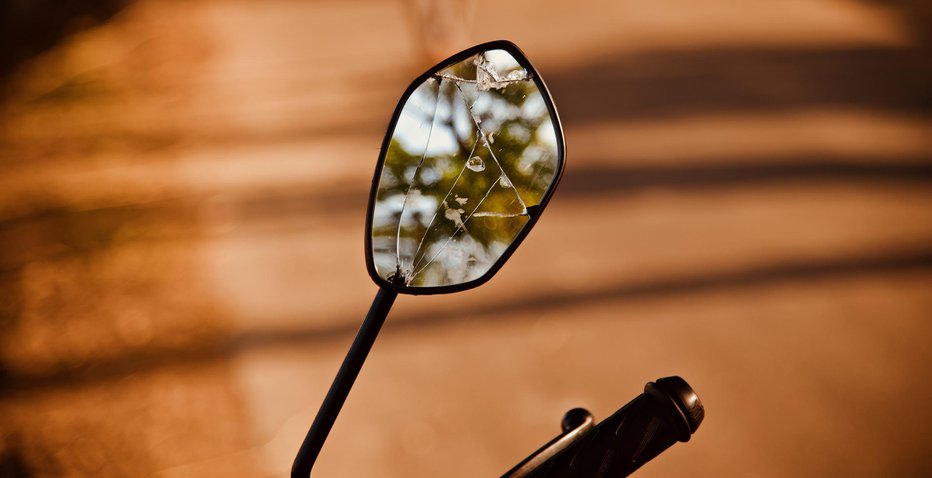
(733, 80)
(30, 27)
(617, 86)
(916, 14)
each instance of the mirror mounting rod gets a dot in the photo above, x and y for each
(342, 384)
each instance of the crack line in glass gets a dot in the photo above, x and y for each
(455, 232)
(437, 211)
(488, 145)
(401, 215)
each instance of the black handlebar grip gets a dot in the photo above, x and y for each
(668, 411)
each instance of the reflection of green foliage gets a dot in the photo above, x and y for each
(464, 69)
(444, 178)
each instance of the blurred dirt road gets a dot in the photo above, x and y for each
(746, 204)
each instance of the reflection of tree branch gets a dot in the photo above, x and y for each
(447, 122)
(461, 142)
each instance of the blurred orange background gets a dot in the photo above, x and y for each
(183, 187)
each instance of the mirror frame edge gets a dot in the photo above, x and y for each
(522, 59)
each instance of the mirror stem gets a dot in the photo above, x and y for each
(342, 384)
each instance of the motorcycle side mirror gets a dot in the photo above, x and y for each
(473, 152)
(472, 155)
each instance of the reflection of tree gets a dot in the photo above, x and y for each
(438, 203)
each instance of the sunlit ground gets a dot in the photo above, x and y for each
(746, 204)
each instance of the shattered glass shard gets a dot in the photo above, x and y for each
(476, 164)
(455, 215)
(488, 79)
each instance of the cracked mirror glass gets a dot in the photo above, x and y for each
(473, 153)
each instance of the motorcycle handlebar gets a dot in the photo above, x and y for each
(668, 411)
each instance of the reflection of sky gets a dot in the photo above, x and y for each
(414, 123)
(501, 61)
(534, 106)
(390, 207)
(547, 135)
